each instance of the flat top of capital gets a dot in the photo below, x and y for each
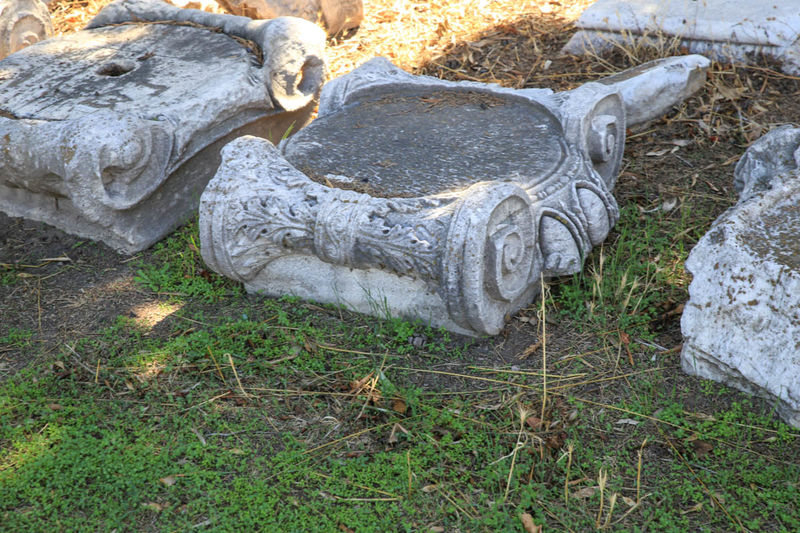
(142, 68)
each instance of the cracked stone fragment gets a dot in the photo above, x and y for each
(651, 89)
(22, 23)
(741, 325)
(725, 30)
(413, 196)
(112, 132)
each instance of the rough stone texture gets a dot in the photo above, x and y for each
(742, 322)
(722, 29)
(338, 15)
(413, 196)
(651, 89)
(113, 132)
(22, 23)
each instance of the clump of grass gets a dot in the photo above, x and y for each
(177, 269)
(624, 283)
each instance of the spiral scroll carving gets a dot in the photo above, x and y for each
(126, 166)
(491, 257)
(23, 23)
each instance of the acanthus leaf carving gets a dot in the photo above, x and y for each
(290, 214)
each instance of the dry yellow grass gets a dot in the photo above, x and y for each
(409, 33)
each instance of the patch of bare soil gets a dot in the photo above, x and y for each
(59, 286)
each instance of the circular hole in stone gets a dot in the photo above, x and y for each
(116, 68)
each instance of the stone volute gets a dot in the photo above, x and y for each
(408, 195)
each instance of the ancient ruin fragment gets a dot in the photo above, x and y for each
(741, 325)
(112, 132)
(412, 196)
(725, 30)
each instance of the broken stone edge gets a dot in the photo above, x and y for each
(739, 329)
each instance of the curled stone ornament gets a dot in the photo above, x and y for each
(491, 255)
(22, 23)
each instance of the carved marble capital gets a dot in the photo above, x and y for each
(475, 248)
(412, 196)
(113, 132)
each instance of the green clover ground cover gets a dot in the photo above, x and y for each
(246, 414)
(164, 435)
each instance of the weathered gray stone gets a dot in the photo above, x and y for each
(741, 325)
(113, 132)
(463, 196)
(338, 15)
(651, 89)
(726, 30)
(22, 23)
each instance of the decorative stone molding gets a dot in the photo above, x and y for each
(113, 132)
(413, 196)
(22, 23)
(741, 325)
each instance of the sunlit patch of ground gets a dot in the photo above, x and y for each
(149, 314)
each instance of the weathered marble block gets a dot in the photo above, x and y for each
(22, 23)
(113, 132)
(741, 325)
(726, 30)
(413, 196)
